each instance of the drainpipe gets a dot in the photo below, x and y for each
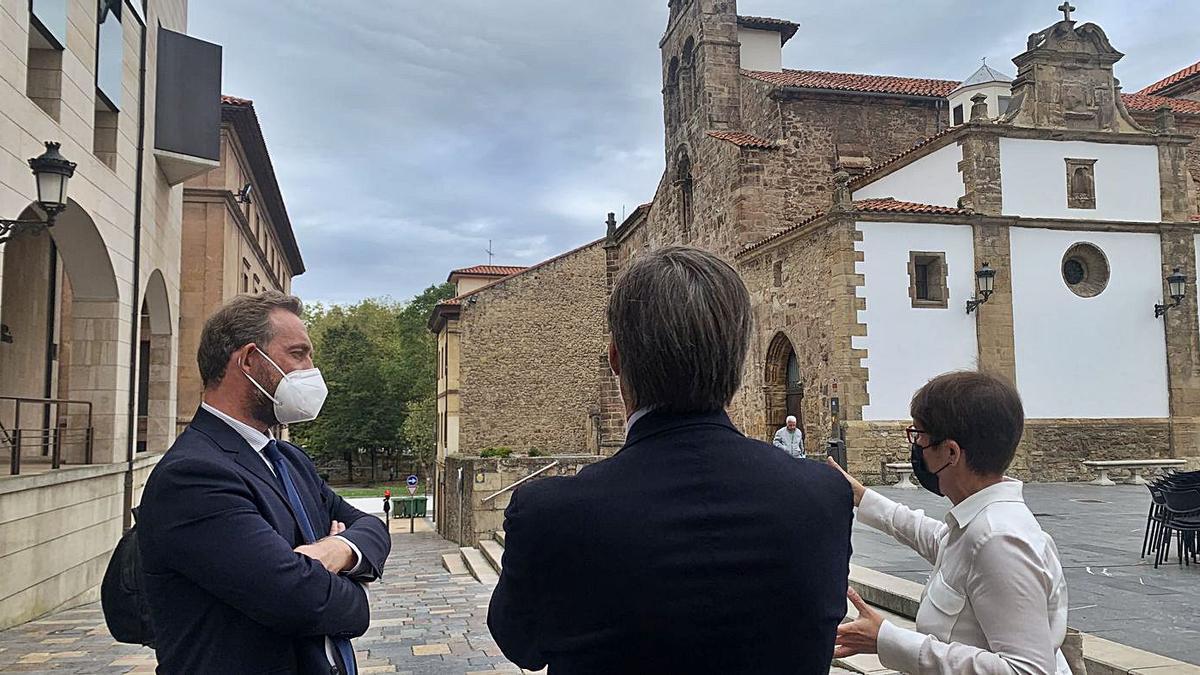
(51, 321)
(136, 312)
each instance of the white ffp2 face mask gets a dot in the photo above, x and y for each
(299, 396)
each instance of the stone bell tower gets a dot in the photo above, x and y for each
(1065, 80)
(701, 71)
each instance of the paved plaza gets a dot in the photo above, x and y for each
(426, 621)
(423, 620)
(1113, 593)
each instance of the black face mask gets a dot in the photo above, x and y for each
(928, 479)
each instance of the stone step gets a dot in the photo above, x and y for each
(453, 562)
(478, 565)
(493, 552)
(498, 535)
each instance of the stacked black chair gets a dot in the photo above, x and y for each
(1174, 515)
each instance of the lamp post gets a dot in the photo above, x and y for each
(1177, 287)
(985, 280)
(51, 173)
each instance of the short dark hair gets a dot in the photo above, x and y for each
(680, 319)
(979, 411)
(242, 320)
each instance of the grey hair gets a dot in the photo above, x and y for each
(790, 418)
(242, 320)
(680, 319)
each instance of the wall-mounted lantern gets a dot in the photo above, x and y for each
(1177, 287)
(985, 281)
(51, 172)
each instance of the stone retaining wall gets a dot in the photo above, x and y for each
(464, 517)
(1050, 451)
(57, 532)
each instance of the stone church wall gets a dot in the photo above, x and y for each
(813, 310)
(1185, 124)
(820, 129)
(529, 349)
(716, 170)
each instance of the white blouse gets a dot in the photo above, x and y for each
(996, 601)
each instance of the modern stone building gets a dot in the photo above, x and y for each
(237, 235)
(90, 309)
(860, 209)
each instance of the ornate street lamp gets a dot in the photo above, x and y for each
(51, 172)
(1177, 287)
(985, 280)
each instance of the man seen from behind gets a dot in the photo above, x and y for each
(694, 549)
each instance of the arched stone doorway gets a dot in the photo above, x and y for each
(61, 308)
(783, 385)
(156, 369)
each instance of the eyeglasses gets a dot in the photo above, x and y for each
(913, 434)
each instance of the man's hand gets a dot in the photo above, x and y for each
(856, 487)
(334, 554)
(860, 636)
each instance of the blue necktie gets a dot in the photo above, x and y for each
(342, 645)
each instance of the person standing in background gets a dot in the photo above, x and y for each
(790, 439)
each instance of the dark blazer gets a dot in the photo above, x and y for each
(227, 592)
(692, 550)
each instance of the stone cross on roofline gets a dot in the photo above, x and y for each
(1066, 9)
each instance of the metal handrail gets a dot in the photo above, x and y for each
(57, 433)
(540, 471)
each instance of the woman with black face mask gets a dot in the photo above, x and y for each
(996, 601)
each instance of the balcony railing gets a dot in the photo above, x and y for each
(43, 427)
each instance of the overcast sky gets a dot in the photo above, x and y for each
(407, 134)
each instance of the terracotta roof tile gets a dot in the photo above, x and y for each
(1172, 79)
(884, 205)
(457, 301)
(912, 86)
(883, 84)
(786, 29)
(490, 270)
(233, 100)
(891, 205)
(743, 140)
(1195, 217)
(1143, 103)
(759, 244)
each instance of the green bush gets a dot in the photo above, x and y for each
(500, 452)
(538, 452)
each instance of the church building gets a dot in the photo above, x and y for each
(1042, 227)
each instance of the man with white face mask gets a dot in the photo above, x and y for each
(252, 563)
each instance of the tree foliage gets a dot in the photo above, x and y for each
(379, 361)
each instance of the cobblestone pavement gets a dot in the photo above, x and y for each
(423, 620)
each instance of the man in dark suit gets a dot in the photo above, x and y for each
(694, 549)
(252, 564)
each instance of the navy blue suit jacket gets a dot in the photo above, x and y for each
(227, 592)
(692, 550)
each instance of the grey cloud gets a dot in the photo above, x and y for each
(406, 135)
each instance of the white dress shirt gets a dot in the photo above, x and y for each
(637, 415)
(258, 440)
(996, 601)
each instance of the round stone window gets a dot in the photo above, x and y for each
(1085, 270)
